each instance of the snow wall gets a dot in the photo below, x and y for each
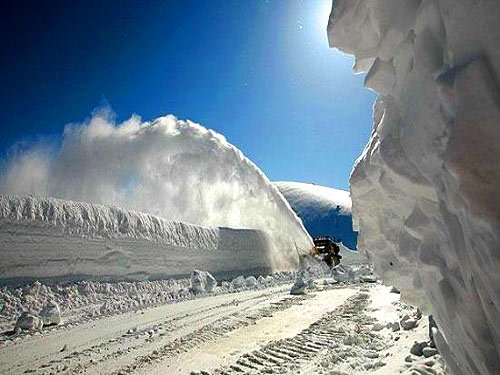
(324, 211)
(172, 169)
(57, 240)
(425, 190)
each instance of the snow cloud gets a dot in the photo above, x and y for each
(175, 169)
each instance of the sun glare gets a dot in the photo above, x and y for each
(322, 13)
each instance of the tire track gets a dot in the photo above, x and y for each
(211, 332)
(338, 337)
(137, 335)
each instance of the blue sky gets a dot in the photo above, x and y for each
(259, 72)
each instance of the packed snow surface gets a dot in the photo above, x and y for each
(425, 190)
(324, 211)
(169, 327)
(170, 169)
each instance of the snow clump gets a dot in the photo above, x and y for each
(51, 314)
(28, 322)
(202, 282)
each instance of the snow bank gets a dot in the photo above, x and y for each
(324, 211)
(425, 189)
(173, 169)
(67, 303)
(45, 238)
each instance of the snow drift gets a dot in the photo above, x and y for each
(425, 189)
(174, 170)
(324, 211)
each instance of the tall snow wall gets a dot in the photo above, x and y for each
(176, 170)
(59, 240)
(425, 190)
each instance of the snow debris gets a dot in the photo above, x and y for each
(429, 352)
(238, 283)
(425, 189)
(409, 358)
(202, 281)
(378, 327)
(300, 286)
(427, 366)
(355, 273)
(417, 348)
(395, 290)
(408, 322)
(28, 322)
(51, 314)
(56, 304)
(269, 280)
(251, 282)
(394, 326)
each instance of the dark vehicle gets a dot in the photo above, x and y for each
(328, 250)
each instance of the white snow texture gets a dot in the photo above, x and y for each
(425, 189)
(324, 211)
(48, 238)
(170, 169)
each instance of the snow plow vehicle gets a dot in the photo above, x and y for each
(327, 250)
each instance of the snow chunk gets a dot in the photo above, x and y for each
(301, 283)
(29, 322)
(238, 283)
(202, 281)
(51, 314)
(251, 282)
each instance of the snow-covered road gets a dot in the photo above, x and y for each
(332, 330)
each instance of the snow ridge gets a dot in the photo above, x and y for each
(94, 220)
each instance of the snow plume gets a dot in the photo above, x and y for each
(174, 169)
(425, 190)
(26, 170)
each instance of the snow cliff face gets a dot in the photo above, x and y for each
(173, 169)
(53, 239)
(323, 210)
(425, 189)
